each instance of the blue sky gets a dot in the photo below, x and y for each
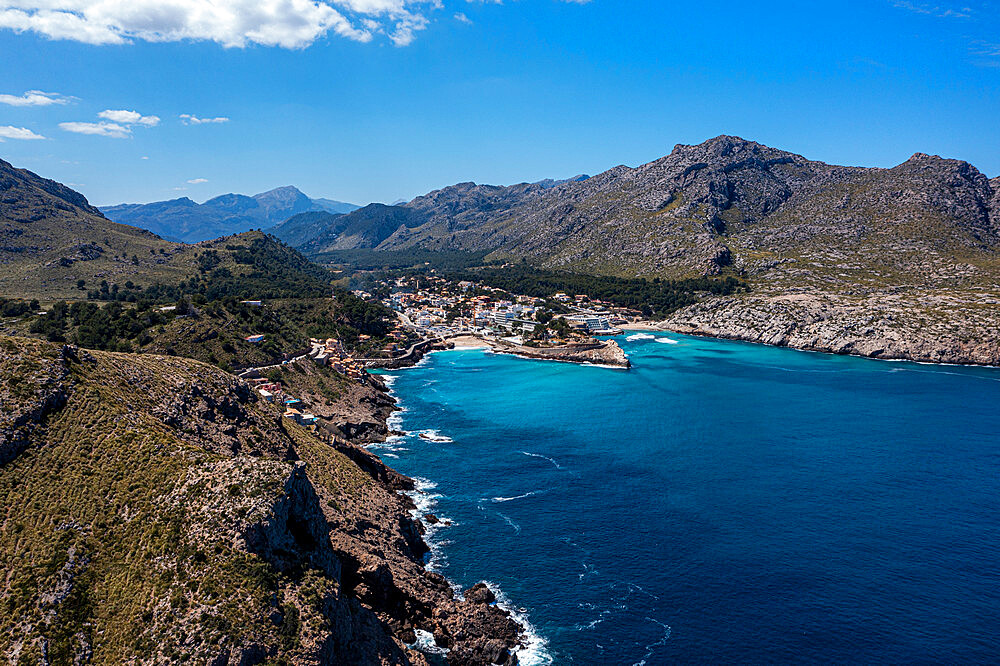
(375, 100)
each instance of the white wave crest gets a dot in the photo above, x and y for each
(435, 436)
(425, 643)
(640, 336)
(667, 341)
(533, 650)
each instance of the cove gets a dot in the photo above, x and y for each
(719, 501)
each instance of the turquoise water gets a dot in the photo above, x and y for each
(719, 502)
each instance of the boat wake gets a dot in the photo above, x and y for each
(668, 341)
(507, 519)
(499, 500)
(538, 455)
(640, 336)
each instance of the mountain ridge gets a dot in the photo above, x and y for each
(702, 209)
(185, 220)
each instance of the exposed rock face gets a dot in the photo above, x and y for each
(867, 243)
(35, 385)
(178, 518)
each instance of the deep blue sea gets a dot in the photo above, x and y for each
(719, 502)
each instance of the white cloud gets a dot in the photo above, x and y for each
(113, 130)
(462, 18)
(197, 181)
(188, 119)
(231, 23)
(116, 123)
(34, 98)
(22, 133)
(129, 118)
(144, 157)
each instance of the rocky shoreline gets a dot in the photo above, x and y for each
(926, 328)
(389, 571)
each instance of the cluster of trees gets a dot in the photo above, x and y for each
(267, 269)
(395, 260)
(114, 327)
(656, 296)
(12, 307)
(286, 325)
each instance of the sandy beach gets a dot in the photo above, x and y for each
(469, 342)
(642, 326)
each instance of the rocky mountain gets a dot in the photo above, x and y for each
(186, 221)
(299, 230)
(57, 246)
(157, 510)
(726, 204)
(365, 227)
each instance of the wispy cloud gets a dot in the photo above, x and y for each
(34, 98)
(197, 181)
(189, 119)
(462, 18)
(231, 23)
(19, 133)
(987, 53)
(940, 11)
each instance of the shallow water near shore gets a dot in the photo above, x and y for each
(719, 501)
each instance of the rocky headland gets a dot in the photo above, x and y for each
(602, 352)
(157, 510)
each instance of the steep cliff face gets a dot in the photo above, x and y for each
(154, 510)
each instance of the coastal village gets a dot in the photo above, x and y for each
(431, 311)
(439, 307)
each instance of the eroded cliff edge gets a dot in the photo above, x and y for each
(155, 510)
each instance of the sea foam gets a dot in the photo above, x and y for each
(435, 436)
(534, 649)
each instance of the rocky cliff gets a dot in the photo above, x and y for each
(154, 510)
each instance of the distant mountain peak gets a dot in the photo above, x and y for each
(183, 219)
